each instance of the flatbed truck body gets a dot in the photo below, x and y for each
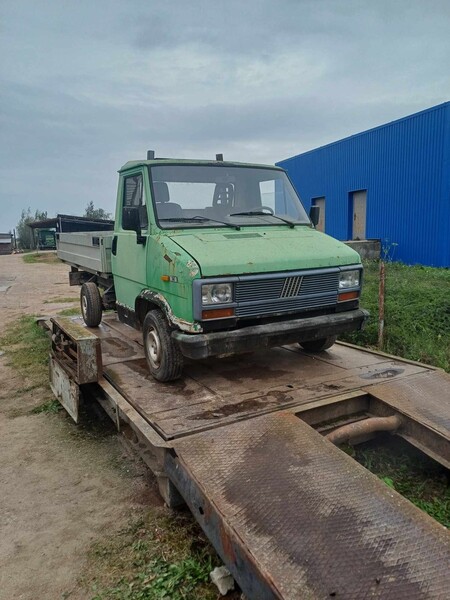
(246, 442)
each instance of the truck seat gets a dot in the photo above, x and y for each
(165, 208)
(169, 210)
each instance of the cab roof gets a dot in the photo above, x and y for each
(132, 164)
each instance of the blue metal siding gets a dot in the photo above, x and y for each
(405, 168)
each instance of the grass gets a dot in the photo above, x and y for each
(48, 258)
(70, 312)
(159, 556)
(415, 476)
(27, 346)
(49, 407)
(417, 312)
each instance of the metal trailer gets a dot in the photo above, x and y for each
(247, 443)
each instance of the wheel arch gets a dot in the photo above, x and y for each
(149, 300)
(144, 304)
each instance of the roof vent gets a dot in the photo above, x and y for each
(150, 155)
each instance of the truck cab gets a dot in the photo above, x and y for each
(211, 258)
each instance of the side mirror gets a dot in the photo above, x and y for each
(314, 213)
(131, 221)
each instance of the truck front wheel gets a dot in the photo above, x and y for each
(318, 345)
(164, 358)
(91, 304)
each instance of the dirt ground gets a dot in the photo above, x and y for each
(61, 489)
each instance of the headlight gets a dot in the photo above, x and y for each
(349, 279)
(217, 293)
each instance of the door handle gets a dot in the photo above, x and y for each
(114, 245)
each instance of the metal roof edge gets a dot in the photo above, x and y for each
(355, 135)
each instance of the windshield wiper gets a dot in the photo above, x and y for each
(200, 219)
(259, 213)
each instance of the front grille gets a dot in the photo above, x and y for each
(291, 287)
(262, 297)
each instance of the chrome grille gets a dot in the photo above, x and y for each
(291, 287)
(258, 297)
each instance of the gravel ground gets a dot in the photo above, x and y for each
(61, 489)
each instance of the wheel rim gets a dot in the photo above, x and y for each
(153, 345)
(84, 305)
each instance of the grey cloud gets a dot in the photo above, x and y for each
(85, 89)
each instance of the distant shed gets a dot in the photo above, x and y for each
(70, 223)
(47, 230)
(391, 183)
(6, 243)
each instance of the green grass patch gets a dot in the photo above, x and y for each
(27, 346)
(162, 555)
(48, 258)
(60, 300)
(415, 476)
(417, 312)
(50, 407)
(70, 312)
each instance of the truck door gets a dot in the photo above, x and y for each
(129, 258)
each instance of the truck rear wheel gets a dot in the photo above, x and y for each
(164, 358)
(318, 345)
(91, 304)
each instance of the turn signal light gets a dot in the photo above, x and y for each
(218, 313)
(348, 296)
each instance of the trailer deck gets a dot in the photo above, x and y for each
(242, 441)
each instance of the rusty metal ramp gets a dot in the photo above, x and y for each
(294, 517)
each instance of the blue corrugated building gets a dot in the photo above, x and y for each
(390, 183)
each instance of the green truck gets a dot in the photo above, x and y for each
(212, 258)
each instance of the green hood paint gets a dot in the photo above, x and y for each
(263, 250)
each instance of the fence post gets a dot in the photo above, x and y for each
(381, 293)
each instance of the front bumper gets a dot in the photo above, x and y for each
(247, 339)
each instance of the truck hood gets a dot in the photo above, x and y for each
(263, 250)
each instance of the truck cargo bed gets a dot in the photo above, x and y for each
(88, 251)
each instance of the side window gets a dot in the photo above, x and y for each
(273, 195)
(133, 196)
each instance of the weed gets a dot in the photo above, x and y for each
(420, 479)
(49, 258)
(161, 555)
(417, 312)
(50, 407)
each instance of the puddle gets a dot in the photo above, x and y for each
(384, 374)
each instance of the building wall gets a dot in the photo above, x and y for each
(405, 168)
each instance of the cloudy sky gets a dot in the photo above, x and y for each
(87, 85)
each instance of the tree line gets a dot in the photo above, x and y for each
(25, 235)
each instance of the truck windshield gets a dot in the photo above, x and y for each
(187, 196)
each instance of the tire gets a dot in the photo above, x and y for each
(164, 358)
(318, 345)
(91, 304)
